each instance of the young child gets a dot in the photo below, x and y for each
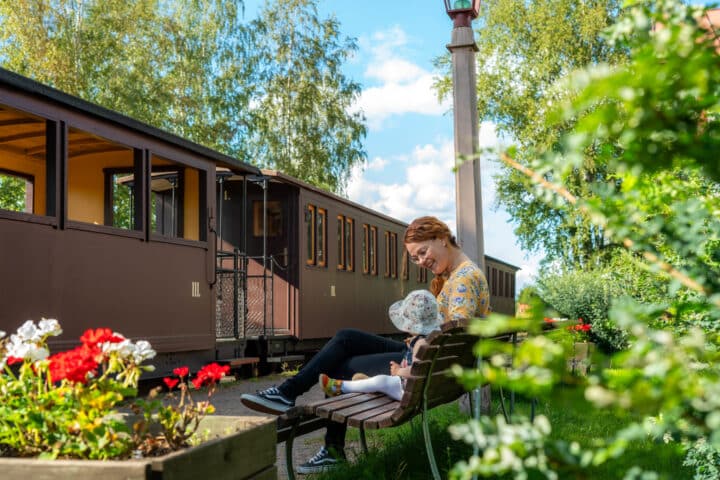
(417, 315)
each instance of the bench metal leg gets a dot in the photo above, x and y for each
(363, 440)
(289, 453)
(428, 444)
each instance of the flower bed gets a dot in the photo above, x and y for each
(65, 405)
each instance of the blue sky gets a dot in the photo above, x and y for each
(410, 134)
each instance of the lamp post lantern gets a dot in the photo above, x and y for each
(468, 199)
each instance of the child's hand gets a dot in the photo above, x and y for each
(394, 367)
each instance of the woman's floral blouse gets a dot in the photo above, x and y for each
(465, 294)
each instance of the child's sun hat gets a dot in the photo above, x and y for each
(416, 314)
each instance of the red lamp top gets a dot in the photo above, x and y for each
(462, 12)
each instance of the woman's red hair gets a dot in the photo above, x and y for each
(429, 228)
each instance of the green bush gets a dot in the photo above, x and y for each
(588, 296)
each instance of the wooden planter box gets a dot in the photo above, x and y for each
(237, 448)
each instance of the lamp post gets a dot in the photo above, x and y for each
(468, 199)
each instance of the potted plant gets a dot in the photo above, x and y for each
(59, 415)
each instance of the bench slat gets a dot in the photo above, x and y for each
(343, 401)
(382, 420)
(359, 418)
(342, 416)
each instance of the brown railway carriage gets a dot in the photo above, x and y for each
(112, 226)
(105, 221)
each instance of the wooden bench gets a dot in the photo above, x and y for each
(428, 386)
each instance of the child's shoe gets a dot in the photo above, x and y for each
(330, 386)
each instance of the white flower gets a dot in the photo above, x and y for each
(125, 348)
(26, 350)
(143, 351)
(2, 334)
(28, 332)
(50, 327)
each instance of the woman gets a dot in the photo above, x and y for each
(462, 293)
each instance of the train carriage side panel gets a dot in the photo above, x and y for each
(331, 297)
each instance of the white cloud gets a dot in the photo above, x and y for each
(377, 163)
(394, 70)
(399, 86)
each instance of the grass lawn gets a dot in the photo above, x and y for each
(399, 453)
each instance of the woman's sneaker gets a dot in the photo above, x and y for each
(321, 461)
(270, 400)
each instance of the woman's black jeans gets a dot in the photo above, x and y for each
(350, 351)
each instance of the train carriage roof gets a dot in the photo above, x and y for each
(24, 84)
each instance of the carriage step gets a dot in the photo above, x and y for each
(238, 362)
(286, 358)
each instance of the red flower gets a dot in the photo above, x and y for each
(73, 365)
(14, 360)
(95, 337)
(181, 371)
(548, 320)
(210, 374)
(170, 382)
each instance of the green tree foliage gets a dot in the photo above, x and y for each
(197, 69)
(523, 49)
(303, 98)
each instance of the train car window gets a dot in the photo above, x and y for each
(373, 250)
(346, 243)
(393, 255)
(494, 276)
(387, 254)
(405, 265)
(27, 182)
(310, 220)
(366, 248)
(349, 244)
(321, 237)
(273, 218)
(101, 181)
(123, 206)
(341, 242)
(175, 193)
